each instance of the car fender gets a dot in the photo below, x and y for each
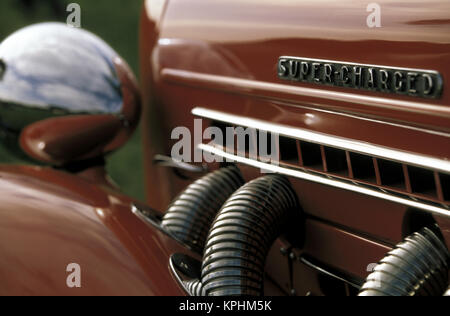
(50, 219)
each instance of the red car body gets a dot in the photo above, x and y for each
(222, 56)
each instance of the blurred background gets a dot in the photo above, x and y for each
(116, 22)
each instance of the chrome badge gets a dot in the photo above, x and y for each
(403, 81)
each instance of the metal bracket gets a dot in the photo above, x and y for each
(179, 167)
(187, 271)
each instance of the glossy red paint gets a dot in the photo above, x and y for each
(198, 59)
(215, 39)
(154, 129)
(59, 140)
(51, 219)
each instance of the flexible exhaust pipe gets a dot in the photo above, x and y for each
(418, 266)
(242, 235)
(190, 215)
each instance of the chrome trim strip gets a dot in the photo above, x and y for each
(327, 140)
(314, 266)
(151, 217)
(182, 279)
(178, 277)
(325, 180)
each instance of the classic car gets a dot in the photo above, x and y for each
(291, 148)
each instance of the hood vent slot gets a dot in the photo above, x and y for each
(311, 155)
(289, 152)
(444, 181)
(419, 184)
(363, 168)
(422, 181)
(391, 174)
(335, 161)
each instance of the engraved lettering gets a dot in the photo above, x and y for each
(411, 82)
(414, 82)
(294, 69)
(328, 73)
(371, 78)
(357, 76)
(282, 69)
(315, 72)
(398, 81)
(345, 78)
(384, 79)
(427, 84)
(304, 69)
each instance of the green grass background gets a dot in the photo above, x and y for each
(116, 22)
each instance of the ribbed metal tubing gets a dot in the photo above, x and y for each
(190, 215)
(242, 234)
(418, 266)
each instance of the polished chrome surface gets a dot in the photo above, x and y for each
(328, 140)
(337, 183)
(59, 69)
(178, 166)
(187, 272)
(52, 71)
(148, 215)
(153, 218)
(387, 79)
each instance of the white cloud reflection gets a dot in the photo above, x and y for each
(54, 65)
